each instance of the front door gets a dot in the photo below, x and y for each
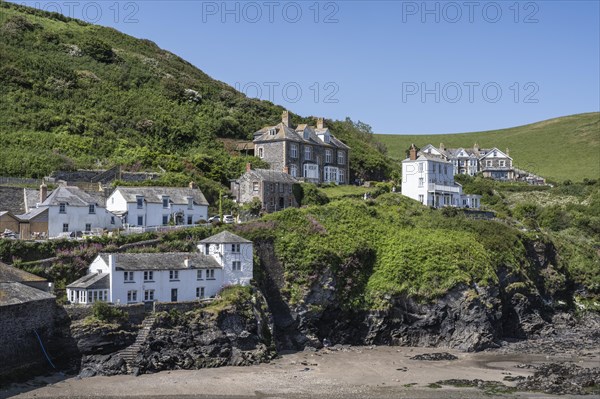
(173, 294)
(281, 203)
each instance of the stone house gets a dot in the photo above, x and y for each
(12, 274)
(221, 260)
(308, 153)
(274, 189)
(158, 206)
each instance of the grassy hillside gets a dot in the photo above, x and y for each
(558, 149)
(88, 96)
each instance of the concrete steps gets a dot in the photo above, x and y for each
(129, 354)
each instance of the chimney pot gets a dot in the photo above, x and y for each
(43, 192)
(192, 185)
(285, 118)
(320, 123)
(413, 152)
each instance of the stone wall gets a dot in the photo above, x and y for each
(19, 347)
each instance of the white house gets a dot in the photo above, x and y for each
(158, 206)
(69, 209)
(224, 259)
(429, 178)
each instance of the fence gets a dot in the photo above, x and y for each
(157, 229)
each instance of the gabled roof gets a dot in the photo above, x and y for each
(177, 195)
(269, 176)
(225, 237)
(427, 157)
(94, 281)
(2, 213)
(282, 132)
(491, 152)
(72, 196)
(35, 212)
(12, 274)
(161, 261)
(13, 293)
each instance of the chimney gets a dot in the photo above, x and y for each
(442, 147)
(285, 118)
(320, 124)
(43, 192)
(192, 185)
(476, 147)
(507, 152)
(187, 262)
(248, 167)
(413, 152)
(286, 169)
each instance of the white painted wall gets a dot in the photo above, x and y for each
(77, 217)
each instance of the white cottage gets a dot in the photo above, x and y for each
(429, 178)
(158, 206)
(224, 259)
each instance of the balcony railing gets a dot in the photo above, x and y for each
(439, 187)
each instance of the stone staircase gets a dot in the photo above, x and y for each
(129, 354)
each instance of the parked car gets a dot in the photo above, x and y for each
(228, 219)
(214, 219)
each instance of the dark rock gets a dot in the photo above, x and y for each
(435, 356)
(562, 379)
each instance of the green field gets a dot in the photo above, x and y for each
(558, 149)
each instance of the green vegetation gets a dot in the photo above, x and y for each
(557, 149)
(87, 96)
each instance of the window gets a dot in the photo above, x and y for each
(173, 275)
(88, 227)
(307, 153)
(92, 209)
(210, 274)
(341, 176)
(140, 221)
(294, 151)
(421, 198)
(439, 169)
(189, 219)
(148, 276)
(445, 170)
(341, 157)
(281, 187)
(65, 227)
(132, 296)
(294, 170)
(328, 156)
(199, 292)
(235, 248)
(112, 220)
(421, 182)
(198, 274)
(236, 265)
(148, 295)
(62, 208)
(311, 171)
(503, 163)
(261, 152)
(190, 203)
(165, 201)
(128, 277)
(140, 202)
(420, 167)
(488, 162)
(207, 249)
(165, 219)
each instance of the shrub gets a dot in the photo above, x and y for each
(98, 50)
(107, 313)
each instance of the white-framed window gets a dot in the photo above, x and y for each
(235, 248)
(294, 151)
(92, 209)
(272, 132)
(328, 156)
(294, 170)
(341, 157)
(261, 152)
(236, 266)
(198, 274)
(165, 219)
(420, 167)
(307, 153)
(207, 249)
(189, 219)
(281, 187)
(503, 163)
(488, 162)
(128, 277)
(199, 292)
(139, 201)
(341, 176)
(62, 208)
(210, 274)
(148, 276)
(173, 275)
(421, 182)
(421, 198)
(165, 201)
(132, 296)
(311, 171)
(65, 227)
(140, 221)
(148, 295)
(190, 203)
(255, 186)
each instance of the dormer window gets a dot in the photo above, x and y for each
(272, 132)
(165, 202)
(326, 138)
(306, 135)
(140, 202)
(62, 208)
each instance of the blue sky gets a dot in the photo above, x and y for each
(401, 66)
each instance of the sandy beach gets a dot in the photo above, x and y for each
(354, 372)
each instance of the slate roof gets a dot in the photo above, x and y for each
(284, 132)
(225, 237)
(94, 281)
(269, 176)
(72, 196)
(32, 198)
(14, 293)
(11, 199)
(12, 274)
(161, 261)
(33, 213)
(427, 157)
(177, 195)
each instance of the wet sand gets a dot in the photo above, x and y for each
(357, 372)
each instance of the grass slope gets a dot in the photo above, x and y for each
(558, 149)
